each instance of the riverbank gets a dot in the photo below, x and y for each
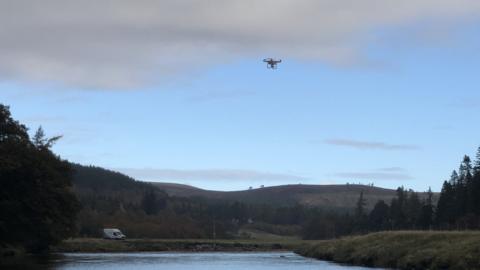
(193, 245)
(7, 251)
(401, 250)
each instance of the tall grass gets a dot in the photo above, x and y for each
(402, 250)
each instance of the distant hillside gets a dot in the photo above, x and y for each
(102, 180)
(112, 199)
(89, 179)
(167, 210)
(95, 183)
(329, 196)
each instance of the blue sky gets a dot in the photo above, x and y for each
(403, 112)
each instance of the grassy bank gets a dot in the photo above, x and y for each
(197, 245)
(402, 250)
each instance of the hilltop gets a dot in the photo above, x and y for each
(167, 210)
(94, 179)
(328, 196)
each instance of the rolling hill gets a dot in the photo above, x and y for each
(90, 180)
(328, 196)
(168, 210)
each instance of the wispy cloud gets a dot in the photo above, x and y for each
(127, 44)
(374, 176)
(207, 175)
(38, 120)
(386, 173)
(366, 145)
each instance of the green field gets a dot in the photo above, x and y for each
(402, 250)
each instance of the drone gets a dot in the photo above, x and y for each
(272, 63)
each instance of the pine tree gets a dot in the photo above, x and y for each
(465, 170)
(153, 202)
(360, 216)
(445, 214)
(454, 178)
(397, 209)
(149, 203)
(379, 217)
(426, 216)
(39, 137)
(476, 168)
(413, 208)
(463, 196)
(459, 202)
(475, 189)
(37, 205)
(41, 141)
(360, 209)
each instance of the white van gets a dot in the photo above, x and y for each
(112, 233)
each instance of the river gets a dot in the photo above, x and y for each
(184, 261)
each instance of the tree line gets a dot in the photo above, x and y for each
(45, 199)
(37, 206)
(459, 203)
(457, 207)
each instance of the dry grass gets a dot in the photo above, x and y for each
(402, 250)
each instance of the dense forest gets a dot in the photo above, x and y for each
(459, 203)
(458, 208)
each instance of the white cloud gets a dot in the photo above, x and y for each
(374, 176)
(125, 44)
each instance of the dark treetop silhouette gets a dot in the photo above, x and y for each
(37, 205)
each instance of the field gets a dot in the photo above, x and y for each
(402, 250)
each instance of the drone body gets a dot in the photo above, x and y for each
(272, 63)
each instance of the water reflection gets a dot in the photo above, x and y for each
(178, 261)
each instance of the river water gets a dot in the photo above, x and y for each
(185, 261)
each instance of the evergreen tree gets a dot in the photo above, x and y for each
(413, 208)
(149, 203)
(361, 221)
(37, 205)
(379, 217)
(360, 208)
(445, 214)
(475, 193)
(465, 171)
(476, 168)
(397, 209)
(454, 178)
(462, 197)
(426, 216)
(41, 141)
